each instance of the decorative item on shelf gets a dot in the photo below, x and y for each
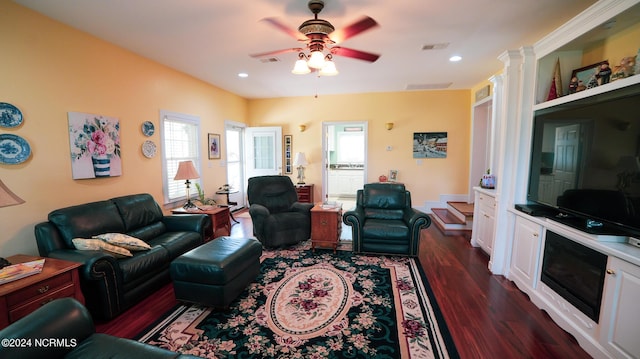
(288, 141)
(573, 85)
(586, 76)
(388, 126)
(300, 161)
(555, 90)
(7, 197)
(603, 73)
(204, 201)
(636, 68)
(382, 178)
(186, 171)
(10, 116)
(393, 175)
(13, 149)
(488, 180)
(95, 145)
(625, 69)
(214, 146)
(148, 149)
(148, 128)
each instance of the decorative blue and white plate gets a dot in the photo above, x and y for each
(13, 149)
(148, 149)
(10, 116)
(147, 128)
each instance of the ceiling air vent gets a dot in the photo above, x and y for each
(440, 86)
(440, 46)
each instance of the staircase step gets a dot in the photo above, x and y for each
(463, 207)
(446, 216)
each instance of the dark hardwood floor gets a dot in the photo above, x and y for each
(487, 315)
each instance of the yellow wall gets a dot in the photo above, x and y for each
(614, 48)
(49, 69)
(423, 111)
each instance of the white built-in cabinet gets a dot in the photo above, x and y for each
(483, 230)
(525, 254)
(518, 240)
(619, 318)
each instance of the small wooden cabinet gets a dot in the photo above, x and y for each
(221, 225)
(305, 193)
(58, 279)
(484, 221)
(326, 226)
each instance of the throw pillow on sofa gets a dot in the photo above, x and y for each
(94, 244)
(124, 241)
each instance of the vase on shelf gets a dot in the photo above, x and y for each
(101, 165)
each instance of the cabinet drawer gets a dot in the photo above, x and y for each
(39, 289)
(28, 307)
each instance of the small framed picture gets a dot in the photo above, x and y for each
(586, 77)
(214, 146)
(288, 167)
(393, 175)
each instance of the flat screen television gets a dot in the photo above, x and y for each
(585, 162)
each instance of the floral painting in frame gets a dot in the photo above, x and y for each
(95, 145)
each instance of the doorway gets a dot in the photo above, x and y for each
(344, 149)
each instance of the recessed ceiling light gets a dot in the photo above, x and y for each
(243, 74)
(455, 58)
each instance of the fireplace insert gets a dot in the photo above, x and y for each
(575, 272)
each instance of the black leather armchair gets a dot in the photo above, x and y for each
(384, 222)
(278, 218)
(64, 328)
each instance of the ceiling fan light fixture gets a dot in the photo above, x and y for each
(316, 60)
(301, 68)
(329, 69)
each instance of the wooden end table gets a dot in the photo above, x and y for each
(219, 219)
(326, 226)
(58, 279)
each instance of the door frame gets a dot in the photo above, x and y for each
(239, 197)
(325, 150)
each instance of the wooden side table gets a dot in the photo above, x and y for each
(305, 193)
(219, 220)
(58, 279)
(326, 226)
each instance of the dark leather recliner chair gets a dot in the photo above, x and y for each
(384, 222)
(278, 218)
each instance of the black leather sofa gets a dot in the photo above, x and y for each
(384, 222)
(111, 285)
(278, 218)
(63, 328)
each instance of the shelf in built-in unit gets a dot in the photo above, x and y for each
(612, 86)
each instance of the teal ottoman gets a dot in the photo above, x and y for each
(217, 272)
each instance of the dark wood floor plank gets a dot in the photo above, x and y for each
(488, 316)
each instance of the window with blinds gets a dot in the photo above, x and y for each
(179, 136)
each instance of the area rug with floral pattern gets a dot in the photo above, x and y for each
(307, 304)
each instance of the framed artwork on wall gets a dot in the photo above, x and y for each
(430, 144)
(288, 167)
(214, 146)
(95, 145)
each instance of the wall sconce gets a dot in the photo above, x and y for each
(302, 128)
(388, 125)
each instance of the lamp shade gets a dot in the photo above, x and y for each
(186, 171)
(8, 198)
(300, 68)
(316, 60)
(300, 159)
(329, 69)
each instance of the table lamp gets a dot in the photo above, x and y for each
(187, 171)
(300, 160)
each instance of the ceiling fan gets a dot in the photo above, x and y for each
(320, 36)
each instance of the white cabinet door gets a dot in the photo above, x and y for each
(620, 317)
(525, 255)
(486, 221)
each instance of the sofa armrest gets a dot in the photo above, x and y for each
(48, 238)
(188, 223)
(65, 320)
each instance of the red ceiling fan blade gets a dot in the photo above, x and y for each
(286, 29)
(355, 54)
(352, 30)
(277, 52)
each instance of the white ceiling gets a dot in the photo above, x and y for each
(212, 39)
